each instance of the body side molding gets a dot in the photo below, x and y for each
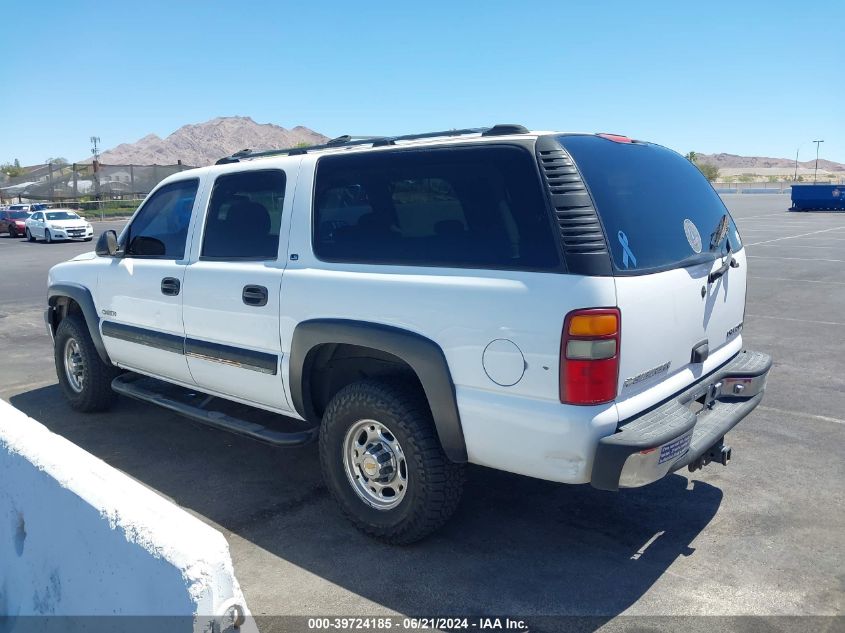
(423, 355)
(82, 296)
(262, 362)
(143, 336)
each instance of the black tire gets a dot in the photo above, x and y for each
(29, 237)
(434, 484)
(96, 393)
(12, 232)
(88, 239)
(47, 237)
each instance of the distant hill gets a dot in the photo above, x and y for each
(203, 143)
(732, 161)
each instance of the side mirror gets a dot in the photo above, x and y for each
(106, 244)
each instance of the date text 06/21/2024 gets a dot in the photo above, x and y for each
(417, 624)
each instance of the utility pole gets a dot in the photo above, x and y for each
(795, 177)
(816, 170)
(95, 151)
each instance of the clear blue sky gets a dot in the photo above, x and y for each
(757, 78)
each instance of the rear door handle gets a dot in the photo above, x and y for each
(255, 296)
(170, 286)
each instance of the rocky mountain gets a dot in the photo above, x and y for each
(732, 161)
(203, 143)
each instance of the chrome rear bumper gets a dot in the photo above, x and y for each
(677, 432)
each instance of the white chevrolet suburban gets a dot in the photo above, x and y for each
(562, 306)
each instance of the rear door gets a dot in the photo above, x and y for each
(659, 213)
(232, 287)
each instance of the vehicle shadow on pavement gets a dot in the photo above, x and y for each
(516, 546)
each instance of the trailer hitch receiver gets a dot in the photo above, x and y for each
(716, 453)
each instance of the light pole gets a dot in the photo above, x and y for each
(816, 170)
(797, 149)
(95, 150)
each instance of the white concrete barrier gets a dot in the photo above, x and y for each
(79, 538)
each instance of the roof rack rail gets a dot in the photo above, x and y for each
(375, 141)
(501, 129)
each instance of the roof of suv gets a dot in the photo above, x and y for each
(348, 143)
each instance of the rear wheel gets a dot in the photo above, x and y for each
(383, 463)
(84, 377)
(12, 231)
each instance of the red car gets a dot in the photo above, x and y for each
(12, 222)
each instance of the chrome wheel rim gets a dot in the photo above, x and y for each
(74, 365)
(375, 464)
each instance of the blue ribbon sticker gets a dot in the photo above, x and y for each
(626, 250)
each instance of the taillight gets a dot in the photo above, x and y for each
(589, 356)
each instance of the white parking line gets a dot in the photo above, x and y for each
(780, 318)
(793, 246)
(792, 237)
(799, 259)
(642, 550)
(803, 281)
(800, 414)
(823, 237)
(781, 229)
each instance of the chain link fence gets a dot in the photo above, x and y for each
(765, 187)
(108, 190)
(94, 187)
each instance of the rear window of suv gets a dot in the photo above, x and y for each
(657, 209)
(477, 207)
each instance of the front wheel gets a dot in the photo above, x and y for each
(383, 463)
(84, 377)
(12, 232)
(47, 237)
(29, 237)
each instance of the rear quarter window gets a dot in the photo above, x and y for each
(480, 207)
(657, 209)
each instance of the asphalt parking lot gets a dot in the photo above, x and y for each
(760, 537)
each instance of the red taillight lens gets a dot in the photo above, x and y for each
(589, 356)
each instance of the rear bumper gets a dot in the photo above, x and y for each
(680, 431)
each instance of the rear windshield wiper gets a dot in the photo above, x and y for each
(718, 236)
(716, 239)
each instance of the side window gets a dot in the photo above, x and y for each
(244, 216)
(161, 227)
(477, 207)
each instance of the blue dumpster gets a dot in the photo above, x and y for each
(805, 197)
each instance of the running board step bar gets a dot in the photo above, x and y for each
(143, 388)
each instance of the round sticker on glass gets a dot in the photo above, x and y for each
(693, 236)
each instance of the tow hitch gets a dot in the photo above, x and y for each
(716, 453)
